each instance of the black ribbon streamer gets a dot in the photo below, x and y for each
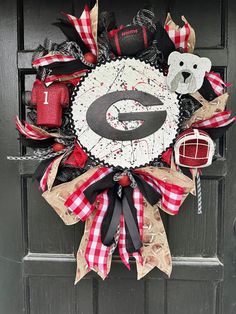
(59, 68)
(27, 142)
(39, 172)
(119, 204)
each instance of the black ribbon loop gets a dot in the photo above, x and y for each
(118, 204)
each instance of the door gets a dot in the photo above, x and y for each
(37, 264)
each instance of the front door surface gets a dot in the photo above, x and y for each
(37, 264)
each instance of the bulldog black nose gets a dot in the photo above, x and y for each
(185, 75)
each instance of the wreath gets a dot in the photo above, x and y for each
(122, 119)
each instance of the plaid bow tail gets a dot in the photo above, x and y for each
(220, 119)
(217, 83)
(171, 194)
(84, 27)
(124, 255)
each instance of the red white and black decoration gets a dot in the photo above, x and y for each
(118, 114)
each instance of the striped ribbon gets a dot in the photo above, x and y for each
(199, 194)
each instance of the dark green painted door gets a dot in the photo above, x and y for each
(37, 264)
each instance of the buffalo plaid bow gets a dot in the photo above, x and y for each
(82, 203)
(217, 83)
(84, 27)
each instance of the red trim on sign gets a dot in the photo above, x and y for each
(117, 44)
(145, 37)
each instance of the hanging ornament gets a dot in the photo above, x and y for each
(49, 102)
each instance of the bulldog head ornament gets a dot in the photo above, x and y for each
(186, 72)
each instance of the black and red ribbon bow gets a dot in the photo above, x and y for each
(121, 201)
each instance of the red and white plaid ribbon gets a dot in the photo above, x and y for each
(179, 36)
(220, 119)
(124, 255)
(171, 194)
(43, 181)
(96, 253)
(46, 60)
(83, 26)
(78, 203)
(28, 131)
(73, 78)
(217, 83)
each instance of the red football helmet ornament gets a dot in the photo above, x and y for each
(49, 102)
(194, 149)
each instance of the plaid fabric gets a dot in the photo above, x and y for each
(96, 253)
(138, 203)
(217, 83)
(124, 255)
(84, 28)
(74, 78)
(28, 131)
(171, 194)
(46, 60)
(78, 203)
(179, 36)
(218, 120)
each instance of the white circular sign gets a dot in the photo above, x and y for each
(123, 113)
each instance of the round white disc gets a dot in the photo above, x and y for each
(125, 75)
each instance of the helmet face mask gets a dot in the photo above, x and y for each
(194, 149)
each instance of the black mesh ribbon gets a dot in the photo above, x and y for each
(121, 203)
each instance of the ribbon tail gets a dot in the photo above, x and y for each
(111, 221)
(133, 239)
(124, 255)
(96, 253)
(155, 252)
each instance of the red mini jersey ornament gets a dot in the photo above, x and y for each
(194, 149)
(49, 102)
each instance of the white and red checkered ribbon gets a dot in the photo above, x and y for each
(217, 82)
(73, 78)
(179, 36)
(46, 60)
(44, 179)
(29, 131)
(171, 194)
(97, 253)
(220, 119)
(83, 26)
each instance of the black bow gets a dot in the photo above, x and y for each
(118, 203)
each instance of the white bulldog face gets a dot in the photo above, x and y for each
(186, 72)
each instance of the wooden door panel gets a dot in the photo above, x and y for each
(45, 253)
(37, 21)
(116, 296)
(191, 234)
(208, 19)
(46, 232)
(193, 297)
